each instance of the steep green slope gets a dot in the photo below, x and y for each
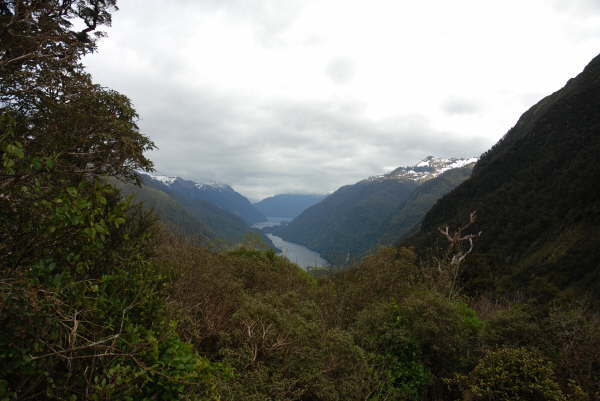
(345, 224)
(194, 218)
(170, 212)
(220, 195)
(537, 197)
(409, 215)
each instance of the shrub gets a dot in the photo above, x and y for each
(512, 374)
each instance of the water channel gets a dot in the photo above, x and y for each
(296, 253)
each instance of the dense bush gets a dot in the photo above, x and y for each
(512, 374)
(82, 304)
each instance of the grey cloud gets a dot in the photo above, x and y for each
(269, 18)
(458, 105)
(291, 146)
(341, 70)
(582, 24)
(161, 26)
(260, 147)
(585, 8)
(263, 148)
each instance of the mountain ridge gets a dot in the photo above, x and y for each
(348, 223)
(427, 169)
(220, 195)
(536, 195)
(287, 205)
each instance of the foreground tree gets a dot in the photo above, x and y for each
(81, 302)
(35, 33)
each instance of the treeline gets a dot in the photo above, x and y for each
(387, 329)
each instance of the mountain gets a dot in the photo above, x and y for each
(408, 216)
(340, 225)
(220, 195)
(169, 211)
(287, 205)
(348, 223)
(196, 219)
(537, 198)
(428, 169)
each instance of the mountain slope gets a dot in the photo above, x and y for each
(220, 195)
(407, 217)
(287, 205)
(169, 211)
(348, 223)
(343, 224)
(537, 197)
(429, 168)
(193, 218)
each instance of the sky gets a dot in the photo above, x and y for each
(291, 96)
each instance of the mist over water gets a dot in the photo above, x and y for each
(272, 221)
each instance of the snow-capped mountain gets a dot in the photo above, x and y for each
(379, 210)
(169, 180)
(427, 169)
(221, 195)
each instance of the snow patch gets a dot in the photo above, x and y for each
(163, 178)
(426, 169)
(213, 185)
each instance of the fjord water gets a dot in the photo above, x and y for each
(299, 254)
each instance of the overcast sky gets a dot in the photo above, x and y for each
(279, 96)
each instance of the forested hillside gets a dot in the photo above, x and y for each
(409, 214)
(536, 196)
(198, 220)
(219, 195)
(344, 225)
(380, 210)
(170, 212)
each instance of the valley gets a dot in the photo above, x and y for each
(399, 266)
(298, 254)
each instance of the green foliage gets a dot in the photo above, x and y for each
(445, 329)
(573, 341)
(381, 330)
(171, 212)
(31, 33)
(258, 313)
(82, 308)
(515, 326)
(395, 353)
(512, 374)
(82, 305)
